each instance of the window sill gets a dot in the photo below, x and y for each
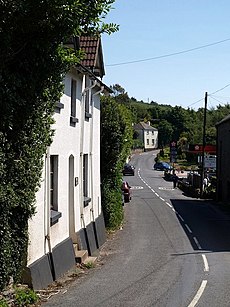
(54, 217)
(73, 120)
(59, 105)
(87, 200)
(88, 115)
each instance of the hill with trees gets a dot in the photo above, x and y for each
(173, 122)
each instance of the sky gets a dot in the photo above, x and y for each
(157, 37)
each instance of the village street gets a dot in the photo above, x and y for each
(172, 251)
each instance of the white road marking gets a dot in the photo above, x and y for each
(206, 266)
(181, 217)
(197, 243)
(198, 294)
(188, 228)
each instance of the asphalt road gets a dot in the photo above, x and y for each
(173, 251)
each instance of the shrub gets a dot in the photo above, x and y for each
(3, 303)
(25, 297)
(112, 206)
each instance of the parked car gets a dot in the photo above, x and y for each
(162, 166)
(126, 192)
(128, 170)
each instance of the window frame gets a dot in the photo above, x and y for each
(85, 180)
(73, 102)
(53, 190)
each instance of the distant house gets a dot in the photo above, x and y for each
(223, 154)
(147, 134)
(68, 204)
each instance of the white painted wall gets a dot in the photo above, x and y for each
(151, 135)
(66, 142)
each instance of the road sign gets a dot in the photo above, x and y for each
(210, 161)
(173, 151)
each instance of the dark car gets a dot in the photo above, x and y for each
(128, 170)
(162, 166)
(126, 192)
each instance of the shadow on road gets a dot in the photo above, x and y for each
(201, 220)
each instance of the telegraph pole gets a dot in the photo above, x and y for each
(204, 143)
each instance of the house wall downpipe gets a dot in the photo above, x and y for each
(85, 89)
(92, 149)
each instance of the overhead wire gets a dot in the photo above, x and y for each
(173, 54)
(168, 55)
(210, 95)
(221, 89)
(221, 102)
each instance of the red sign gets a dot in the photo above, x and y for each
(199, 148)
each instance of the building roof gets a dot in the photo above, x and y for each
(84, 69)
(225, 119)
(92, 48)
(144, 126)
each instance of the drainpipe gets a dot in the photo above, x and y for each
(91, 148)
(81, 142)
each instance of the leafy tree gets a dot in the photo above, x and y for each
(165, 132)
(33, 62)
(116, 143)
(117, 90)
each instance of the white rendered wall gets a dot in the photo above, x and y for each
(148, 135)
(66, 142)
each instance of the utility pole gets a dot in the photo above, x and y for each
(204, 143)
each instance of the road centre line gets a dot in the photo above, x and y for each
(180, 217)
(206, 266)
(188, 228)
(198, 294)
(197, 243)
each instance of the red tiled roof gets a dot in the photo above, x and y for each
(93, 60)
(90, 47)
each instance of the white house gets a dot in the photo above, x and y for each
(68, 209)
(147, 134)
